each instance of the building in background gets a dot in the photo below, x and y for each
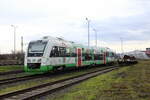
(140, 54)
(147, 52)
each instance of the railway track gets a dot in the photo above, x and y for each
(18, 79)
(29, 77)
(11, 72)
(43, 89)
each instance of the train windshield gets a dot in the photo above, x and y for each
(37, 46)
(36, 49)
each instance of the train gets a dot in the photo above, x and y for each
(53, 53)
(127, 60)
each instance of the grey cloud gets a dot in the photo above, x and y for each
(115, 28)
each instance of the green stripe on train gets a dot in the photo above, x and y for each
(47, 68)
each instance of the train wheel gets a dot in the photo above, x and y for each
(58, 69)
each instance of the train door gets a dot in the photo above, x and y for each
(79, 56)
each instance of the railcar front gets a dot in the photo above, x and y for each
(35, 59)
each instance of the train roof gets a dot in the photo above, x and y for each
(58, 40)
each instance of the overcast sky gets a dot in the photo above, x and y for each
(113, 19)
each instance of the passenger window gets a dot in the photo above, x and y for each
(73, 53)
(107, 54)
(54, 52)
(68, 52)
(62, 51)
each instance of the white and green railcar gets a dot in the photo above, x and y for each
(50, 53)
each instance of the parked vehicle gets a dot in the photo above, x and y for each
(49, 54)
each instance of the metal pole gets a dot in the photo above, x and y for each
(95, 37)
(88, 21)
(14, 37)
(122, 45)
(21, 44)
(14, 40)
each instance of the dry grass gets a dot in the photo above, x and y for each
(127, 83)
(10, 68)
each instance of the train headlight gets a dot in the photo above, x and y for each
(28, 60)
